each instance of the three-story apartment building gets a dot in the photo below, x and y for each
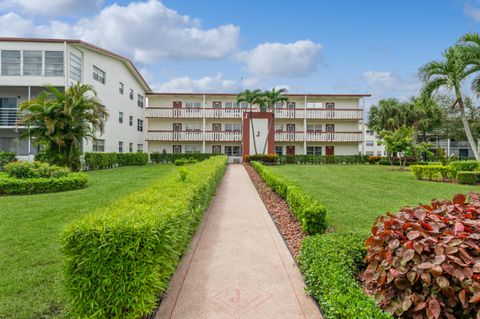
(313, 124)
(27, 65)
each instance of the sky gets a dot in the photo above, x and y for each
(341, 46)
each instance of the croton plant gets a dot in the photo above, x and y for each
(424, 262)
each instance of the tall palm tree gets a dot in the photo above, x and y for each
(61, 121)
(252, 98)
(449, 74)
(271, 99)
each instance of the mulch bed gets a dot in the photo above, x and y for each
(277, 207)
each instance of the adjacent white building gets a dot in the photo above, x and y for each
(27, 65)
(371, 145)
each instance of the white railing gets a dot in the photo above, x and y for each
(224, 136)
(318, 136)
(8, 117)
(343, 114)
(194, 136)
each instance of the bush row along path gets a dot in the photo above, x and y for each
(238, 264)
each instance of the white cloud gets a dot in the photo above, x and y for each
(187, 84)
(472, 10)
(146, 31)
(278, 59)
(51, 7)
(389, 84)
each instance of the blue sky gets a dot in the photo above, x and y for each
(307, 46)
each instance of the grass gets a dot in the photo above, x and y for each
(355, 195)
(31, 264)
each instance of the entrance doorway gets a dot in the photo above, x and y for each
(329, 151)
(290, 150)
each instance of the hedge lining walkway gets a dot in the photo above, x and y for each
(237, 265)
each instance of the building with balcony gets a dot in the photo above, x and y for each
(312, 124)
(27, 65)
(371, 145)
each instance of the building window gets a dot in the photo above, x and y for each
(120, 117)
(32, 63)
(233, 150)
(369, 153)
(233, 127)
(279, 150)
(379, 153)
(130, 147)
(330, 105)
(369, 143)
(75, 67)
(278, 127)
(140, 125)
(139, 148)
(216, 149)
(131, 94)
(120, 147)
(99, 145)
(53, 63)
(121, 87)
(191, 105)
(130, 120)
(10, 62)
(192, 127)
(314, 127)
(230, 105)
(140, 100)
(290, 105)
(314, 150)
(369, 132)
(8, 111)
(217, 105)
(177, 149)
(191, 149)
(98, 75)
(314, 105)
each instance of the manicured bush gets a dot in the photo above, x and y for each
(432, 172)
(263, 158)
(119, 259)
(94, 161)
(465, 166)
(425, 260)
(21, 186)
(329, 264)
(132, 159)
(374, 159)
(470, 178)
(35, 170)
(185, 161)
(309, 212)
(6, 157)
(323, 159)
(157, 157)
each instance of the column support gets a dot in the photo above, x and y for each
(203, 126)
(29, 137)
(448, 146)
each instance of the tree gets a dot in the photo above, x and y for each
(398, 142)
(388, 115)
(450, 74)
(252, 97)
(61, 121)
(271, 98)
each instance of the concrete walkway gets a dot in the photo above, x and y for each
(238, 265)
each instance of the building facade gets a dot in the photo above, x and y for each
(371, 145)
(27, 65)
(310, 124)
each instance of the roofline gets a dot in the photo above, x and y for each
(87, 45)
(235, 94)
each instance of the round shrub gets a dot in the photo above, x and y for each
(425, 261)
(35, 170)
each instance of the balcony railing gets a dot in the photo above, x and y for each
(195, 136)
(8, 117)
(318, 136)
(333, 114)
(235, 113)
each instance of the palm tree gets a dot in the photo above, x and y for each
(60, 121)
(271, 99)
(450, 74)
(252, 97)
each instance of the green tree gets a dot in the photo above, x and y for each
(388, 114)
(61, 121)
(271, 98)
(398, 143)
(252, 98)
(450, 74)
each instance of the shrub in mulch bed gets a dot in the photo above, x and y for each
(277, 207)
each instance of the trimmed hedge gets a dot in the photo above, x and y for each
(21, 186)
(330, 264)
(263, 158)
(181, 162)
(323, 159)
(432, 172)
(94, 161)
(309, 212)
(465, 166)
(470, 178)
(119, 259)
(6, 157)
(157, 157)
(35, 170)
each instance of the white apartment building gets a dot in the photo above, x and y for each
(313, 124)
(371, 145)
(27, 65)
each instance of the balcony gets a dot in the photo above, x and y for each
(318, 136)
(234, 113)
(8, 116)
(195, 136)
(327, 114)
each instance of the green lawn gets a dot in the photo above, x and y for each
(30, 258)
(356, 194)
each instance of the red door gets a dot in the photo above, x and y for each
(177, 104)
(290, 150)
(329, 151)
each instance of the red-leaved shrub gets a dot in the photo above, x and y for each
(425, 261)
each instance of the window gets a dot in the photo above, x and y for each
(140, 100)
(233, 150)
(10, 62)
(330, 105)
(278, 127)
(53, 63)
(191, 149)
(32, 63)
(216, 149)
(130, 120)
(216, 105)
(98, 75)
(229, 105)
(131, 94)
(279, 150)
(177, 149)
(139, 148)
(314, 105)
(8, 111)
(140, 125)
(120, 117)
(216, 127)
(290, 105)
(120, 147)
(121, 87)
(369, 143)
(369, 153)
(192, 127)
(369, 132)
(75, 67)
(191, 105)
(99, 145)
(314, 127)
(379, 153)
(130, 147)
(233, 127)
(314, 150)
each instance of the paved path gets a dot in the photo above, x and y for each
(238, 265)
